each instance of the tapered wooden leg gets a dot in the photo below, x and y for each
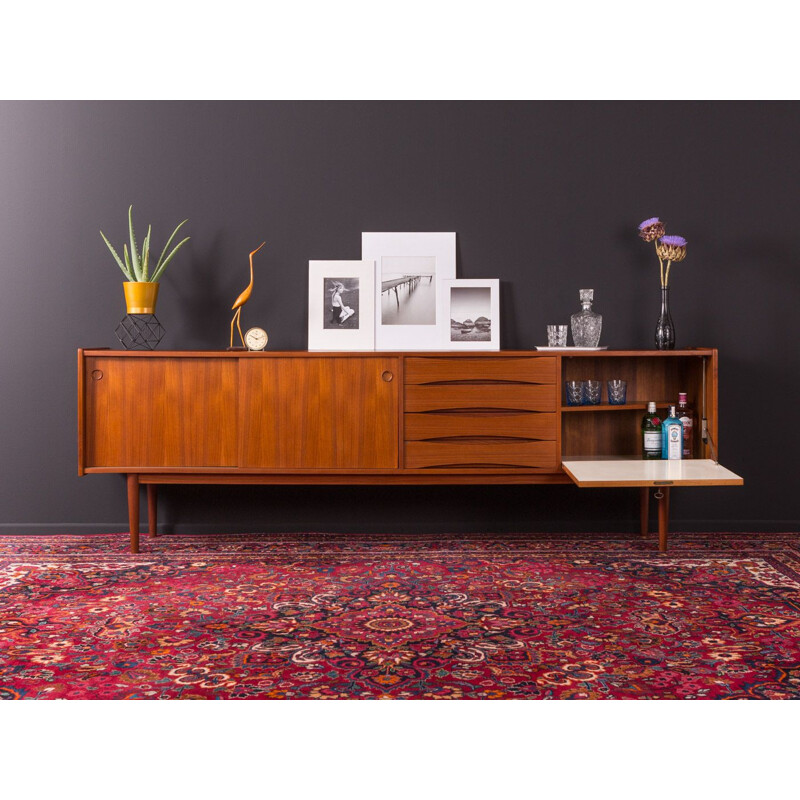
(644, 509)
(133, 510)
(152, 509)
(663, 519)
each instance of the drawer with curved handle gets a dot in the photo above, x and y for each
(481, 455)
(521, 397)
(443, 370)
(514, 424)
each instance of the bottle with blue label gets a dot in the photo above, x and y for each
(672, 436)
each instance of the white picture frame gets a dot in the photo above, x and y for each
(341, 317)
(471, 308)
(407, 314)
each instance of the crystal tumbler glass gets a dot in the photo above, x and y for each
(617, 392)
(557, 335)
(592, 392)
(574, 392)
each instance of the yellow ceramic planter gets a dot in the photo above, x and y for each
(140, 296)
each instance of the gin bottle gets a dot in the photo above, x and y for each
(686, 416)
(651, 433)
(672, 436)
(586, 324)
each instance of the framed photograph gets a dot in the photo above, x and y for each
(341, 305)
(409, 270)
(472, 310)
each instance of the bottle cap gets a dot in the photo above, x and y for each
(672, 411)
(651, 407)
(681, 397)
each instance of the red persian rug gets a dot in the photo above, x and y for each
(323, 616)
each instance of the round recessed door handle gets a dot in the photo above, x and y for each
(387, 376)
(97, 374)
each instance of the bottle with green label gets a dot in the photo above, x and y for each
(651, 433)
(672, 436)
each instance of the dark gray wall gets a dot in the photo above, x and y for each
(544, 196)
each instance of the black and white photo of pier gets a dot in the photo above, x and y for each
(408, 290)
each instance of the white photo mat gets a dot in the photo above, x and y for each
(341, 305)
(471, 309)
(409, 270)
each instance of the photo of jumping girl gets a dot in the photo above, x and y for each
(343, 303)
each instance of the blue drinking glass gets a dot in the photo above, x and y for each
(592, 393)
(574, 392)
(617, 392)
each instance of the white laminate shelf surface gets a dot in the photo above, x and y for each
(638, 472)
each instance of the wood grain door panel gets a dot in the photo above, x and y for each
(319, 413)
(160, 412)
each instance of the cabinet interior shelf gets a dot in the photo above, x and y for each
(624, 407)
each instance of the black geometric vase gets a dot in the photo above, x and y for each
(665, 330)
(140, 332)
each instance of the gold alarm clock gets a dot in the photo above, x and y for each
(256, 339)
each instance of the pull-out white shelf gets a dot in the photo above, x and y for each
(647, 474)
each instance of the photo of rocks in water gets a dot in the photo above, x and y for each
(408, 290)
(470, 314)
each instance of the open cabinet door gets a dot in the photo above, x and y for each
(658, 474)
(639, 472)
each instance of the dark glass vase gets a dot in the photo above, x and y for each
(665, 330)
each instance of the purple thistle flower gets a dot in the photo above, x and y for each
(673, 241)
(651, 229)
(671, 248)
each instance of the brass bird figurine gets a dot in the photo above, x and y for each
(242, 299)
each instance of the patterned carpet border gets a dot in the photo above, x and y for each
(331, 616)
(102, 545)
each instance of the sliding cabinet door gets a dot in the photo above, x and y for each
(318, 413)
(160, 412)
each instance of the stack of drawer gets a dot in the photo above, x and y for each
(485, 413)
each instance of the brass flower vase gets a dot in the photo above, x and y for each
(140, 296)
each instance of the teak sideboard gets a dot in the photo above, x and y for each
(385, 418)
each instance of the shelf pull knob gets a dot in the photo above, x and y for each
(387, 376)
(97, 374)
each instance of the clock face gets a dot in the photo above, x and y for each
(256, 339)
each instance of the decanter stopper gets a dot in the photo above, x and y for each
(586, 324)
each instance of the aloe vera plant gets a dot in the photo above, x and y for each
(136, 266)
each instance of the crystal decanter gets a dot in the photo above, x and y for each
(586, 324)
